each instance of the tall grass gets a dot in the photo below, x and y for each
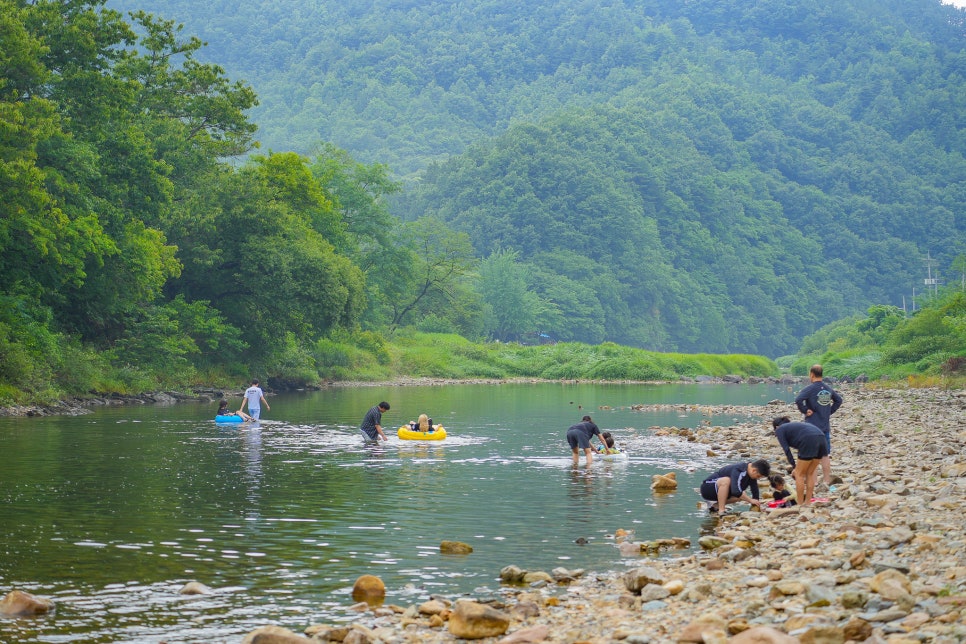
(440, 355)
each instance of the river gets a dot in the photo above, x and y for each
(110, 514)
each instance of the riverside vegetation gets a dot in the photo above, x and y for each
(927, 348)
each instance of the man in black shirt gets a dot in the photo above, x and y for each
(728, 484)
(371, 427)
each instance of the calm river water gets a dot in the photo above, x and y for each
(109, 514)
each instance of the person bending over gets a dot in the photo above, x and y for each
(578, 437)
(810, 441)
(728, 484)
(371, 427)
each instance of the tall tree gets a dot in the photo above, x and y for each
(510, 308)
(441, 260)
(252, 251)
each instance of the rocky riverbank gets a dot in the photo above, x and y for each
(883, 561)
(81, 406)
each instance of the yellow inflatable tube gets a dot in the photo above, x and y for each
(408, 434)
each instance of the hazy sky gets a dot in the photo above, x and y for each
(958, 3)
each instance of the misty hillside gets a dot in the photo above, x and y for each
(712, 175)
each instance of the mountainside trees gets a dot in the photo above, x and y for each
(706, 175)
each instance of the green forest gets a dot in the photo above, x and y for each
(195, 192)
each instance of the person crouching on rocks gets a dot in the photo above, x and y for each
(728, 484)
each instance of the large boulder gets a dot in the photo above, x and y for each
(369, 589)
(472, 621)
(664, 482)
(635, 580)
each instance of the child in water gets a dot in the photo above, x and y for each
(423, 424)
(611, 445)
(780, 492)
(223, 411)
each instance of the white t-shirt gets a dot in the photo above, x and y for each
(254, 395)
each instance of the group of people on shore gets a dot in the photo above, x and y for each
(739, 481)
(811, 437)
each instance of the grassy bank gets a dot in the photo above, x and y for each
(434, 355)
(367, 356)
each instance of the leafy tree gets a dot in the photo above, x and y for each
(510, 308)
(209, 108)
(881, 320)
(362, 227)
(252, 251)
(959, 266)
(43, 245)
(441, 259)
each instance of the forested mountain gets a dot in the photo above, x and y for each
(403, 82)
(707, 175)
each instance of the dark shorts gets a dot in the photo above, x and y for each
(578, 439)
(709, 491)
(828, 441)
(814, 445)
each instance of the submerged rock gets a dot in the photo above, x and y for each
(18, 603)
(455, 548)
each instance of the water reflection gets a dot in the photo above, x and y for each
(579, 494)
(252, 436)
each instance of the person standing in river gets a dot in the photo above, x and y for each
(817, 402)
(254, 396)
(578, 437)
(371, 426)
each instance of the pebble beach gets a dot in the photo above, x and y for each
(882, 561)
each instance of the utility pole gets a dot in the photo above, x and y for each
(930, 280)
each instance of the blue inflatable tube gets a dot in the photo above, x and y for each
(229, 419)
